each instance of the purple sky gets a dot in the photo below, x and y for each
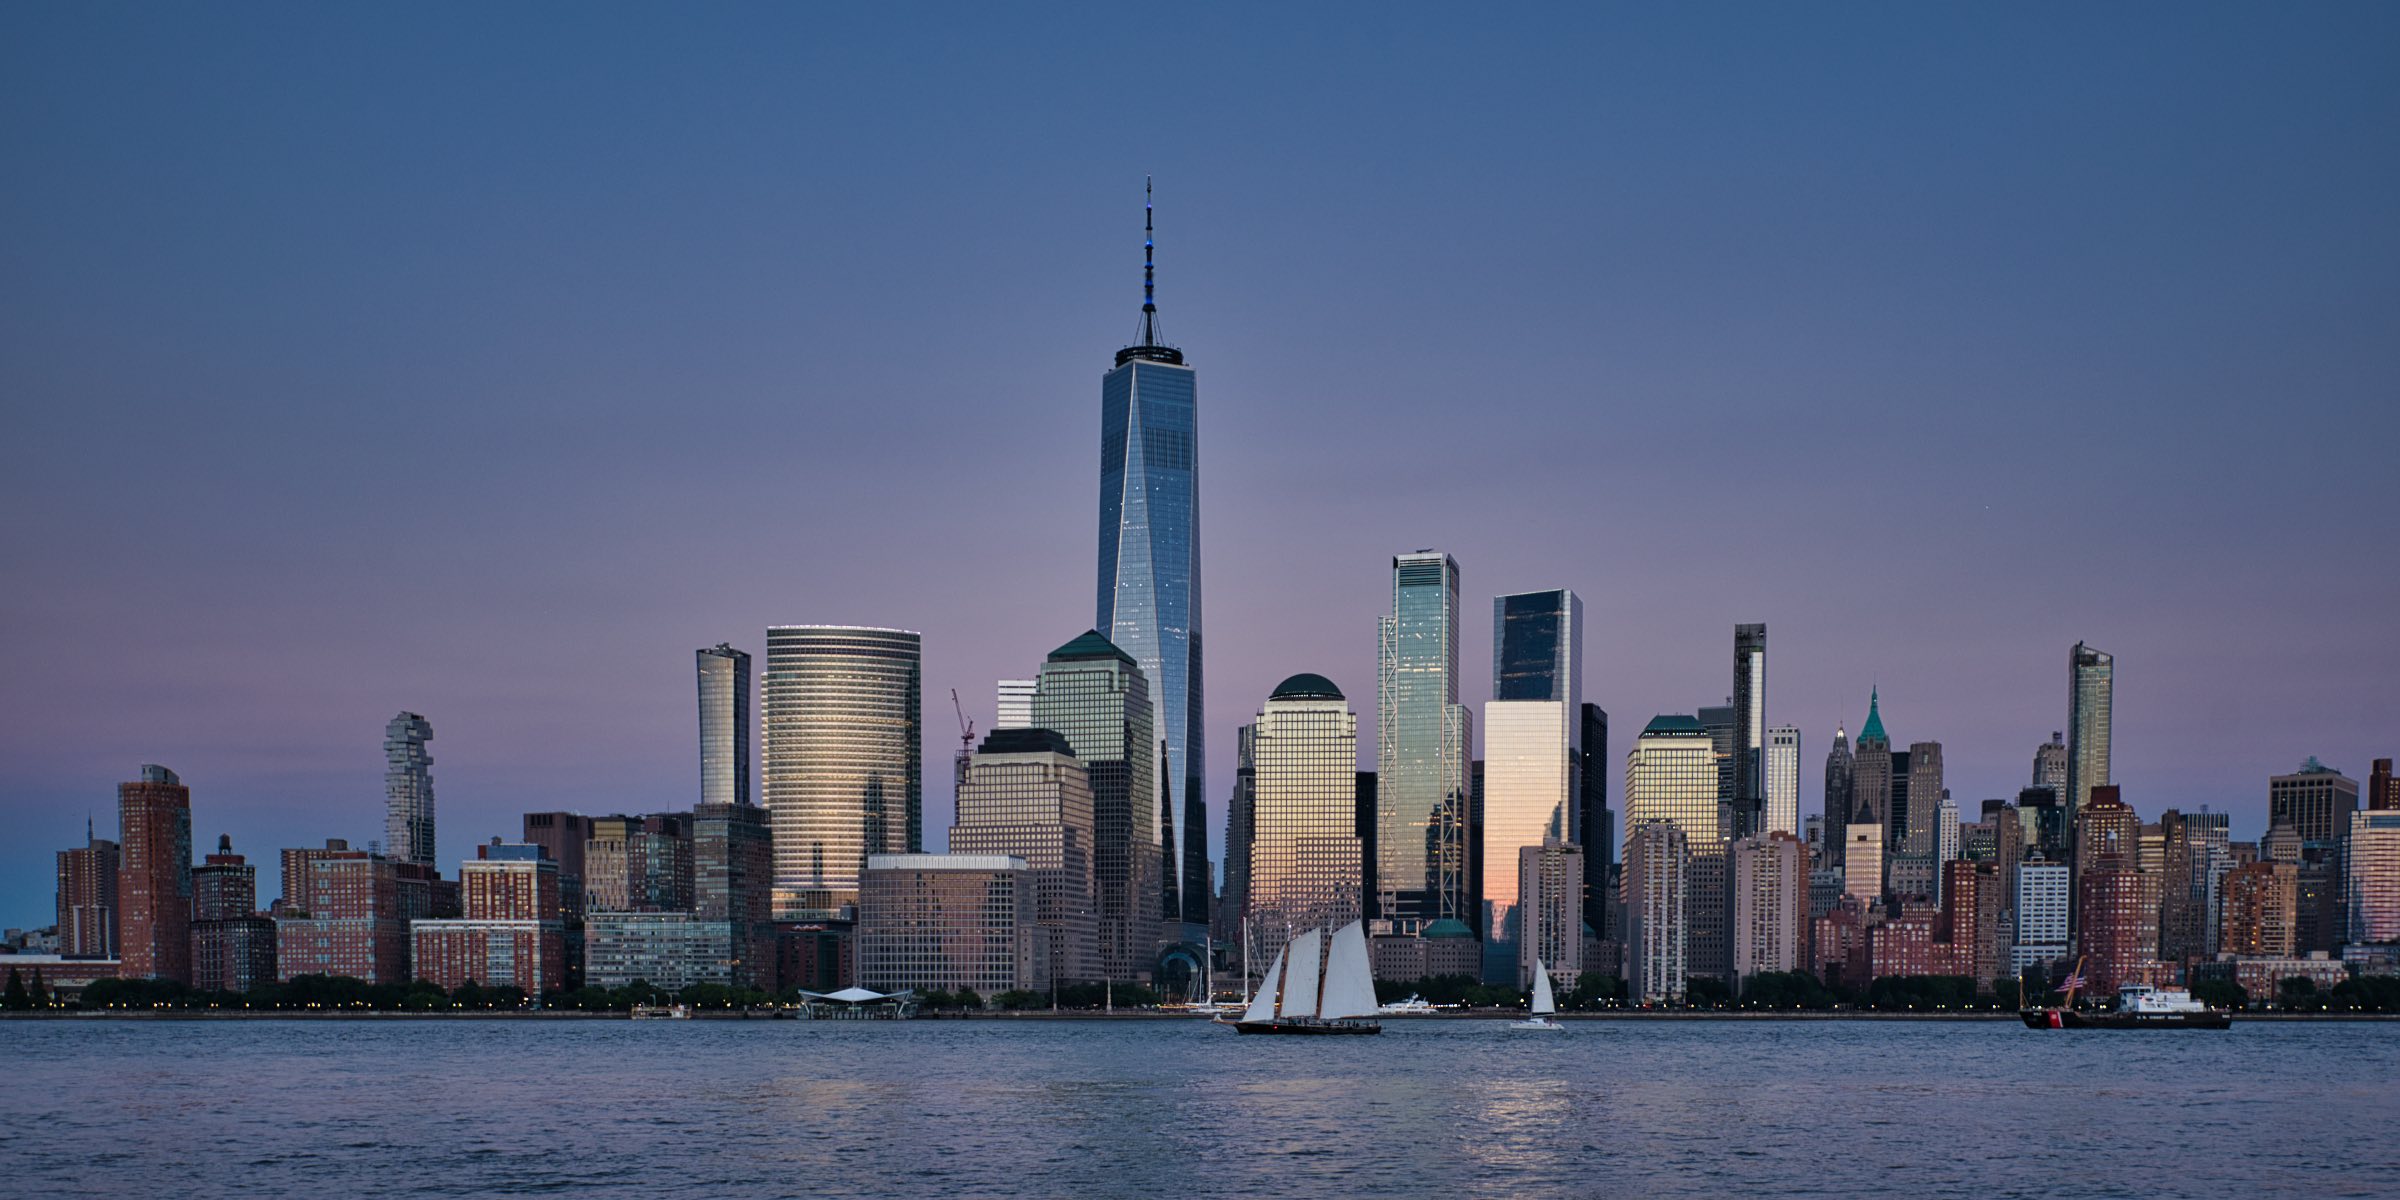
(486, 363)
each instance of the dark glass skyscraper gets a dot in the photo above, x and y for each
(1149, 587)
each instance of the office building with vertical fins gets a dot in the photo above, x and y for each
(1532, 769)
(1783, 780)
(1424, 741)
(408, 790)
(2091, 693)
(843, 709)
(724, 674)
(1149, 577)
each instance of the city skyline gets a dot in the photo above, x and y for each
(1307, 497)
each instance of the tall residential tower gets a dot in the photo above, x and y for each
(724, 724)
(408, 790)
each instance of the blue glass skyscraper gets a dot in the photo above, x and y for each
(1149, 593)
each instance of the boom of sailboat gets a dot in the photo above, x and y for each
(1321, 983)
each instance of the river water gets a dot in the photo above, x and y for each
(1446, 1108)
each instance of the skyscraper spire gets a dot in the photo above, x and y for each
(1149, 272)
(1148, 346)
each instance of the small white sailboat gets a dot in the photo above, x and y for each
(1545, 1005)
(1296, 998)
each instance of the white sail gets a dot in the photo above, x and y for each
(1543, 1003)
(1300, 989)
(1262, 1005)
(1349, 980)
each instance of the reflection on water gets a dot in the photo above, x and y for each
(1185, 1109)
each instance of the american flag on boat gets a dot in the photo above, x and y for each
(2071, 983)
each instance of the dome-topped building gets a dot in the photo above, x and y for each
(1306, 686)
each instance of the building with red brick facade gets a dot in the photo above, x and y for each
(154, 879)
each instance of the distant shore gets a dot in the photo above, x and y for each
(555, 1014)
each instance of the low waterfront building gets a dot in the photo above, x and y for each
(63, 976)
(942, 922)
(1443, 948)
(2262, 976)
(668, 950)
(512, 933)
(352, 916)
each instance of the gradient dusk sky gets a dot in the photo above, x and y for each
(485, 361)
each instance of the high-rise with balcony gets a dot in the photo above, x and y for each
(1532, 768)
(1304, 854)
(154, 880)
(1656, 897)
(843, 768)
(1149, 577)
(724, 674)
(1424, 742)
(2091, 694)
(408, 790)
(1094, 694)
(87, 898)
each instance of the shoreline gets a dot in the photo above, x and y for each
(1478, 1015)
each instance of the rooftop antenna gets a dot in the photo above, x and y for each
(1149, 347)
(1149, 273)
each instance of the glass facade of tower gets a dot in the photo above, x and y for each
(844, 769)
(2091, 692)
(1529, 780)
(1537, 644)
(1093, 694)
(1301, 758)
(1149, 584)
(724, 724)
(408, 790)
(1533, 775)
(1424, 739)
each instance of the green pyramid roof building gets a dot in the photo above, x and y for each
(1874, 726)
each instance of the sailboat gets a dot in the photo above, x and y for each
(1545, 1005)
(1296, 998)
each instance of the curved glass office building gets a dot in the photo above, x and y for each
(844, 774)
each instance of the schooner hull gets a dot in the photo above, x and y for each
(1308, 1027)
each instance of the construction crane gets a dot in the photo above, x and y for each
(966, 728)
